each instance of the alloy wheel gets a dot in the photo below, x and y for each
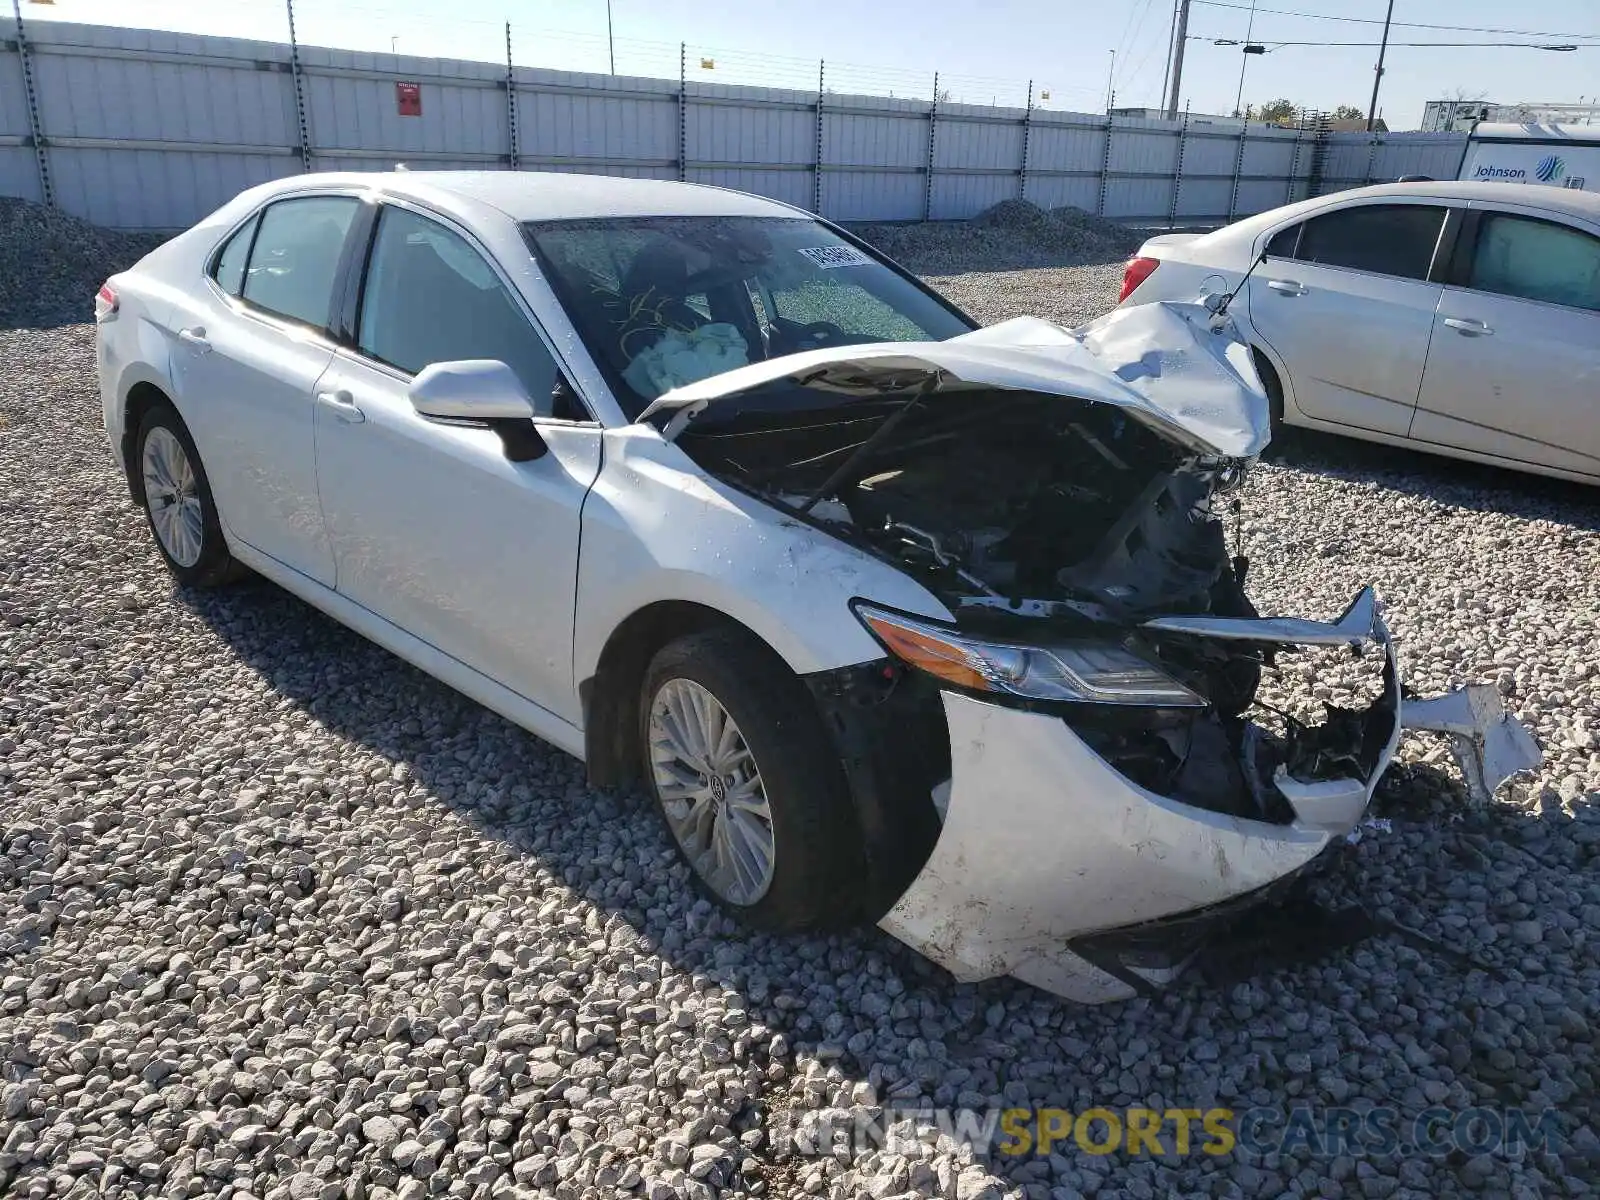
(711, 791)
(172, 494)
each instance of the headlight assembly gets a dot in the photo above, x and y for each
(1086, 672)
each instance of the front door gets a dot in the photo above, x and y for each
(433, 528)
(1345, 302)
(1515, 366)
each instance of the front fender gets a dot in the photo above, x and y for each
(656, 527)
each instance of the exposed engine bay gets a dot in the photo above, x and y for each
(998, 500)
(1041, 518)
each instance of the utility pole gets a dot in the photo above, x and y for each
(1178, 41)
(1111, 76)
(1166, 75)
(1377, 77)
(611, 44)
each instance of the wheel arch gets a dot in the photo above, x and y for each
(1272, 378)
(610, 697)
(140, 398)
(886, 724)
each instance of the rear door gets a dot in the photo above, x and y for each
(252, 343)
(1346, 301)
(1515, 365)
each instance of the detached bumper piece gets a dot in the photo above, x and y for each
(1055, 868)
(1489, 746)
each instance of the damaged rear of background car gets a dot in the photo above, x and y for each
(1107, 777)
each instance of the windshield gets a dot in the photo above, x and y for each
(664, 301)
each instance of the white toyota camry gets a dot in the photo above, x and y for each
(899, 620)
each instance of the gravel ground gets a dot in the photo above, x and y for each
(282, 917)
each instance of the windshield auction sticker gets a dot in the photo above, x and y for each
(829, 257)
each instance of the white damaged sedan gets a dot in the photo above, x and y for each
(898, 620)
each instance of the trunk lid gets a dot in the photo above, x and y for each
(1176, 366)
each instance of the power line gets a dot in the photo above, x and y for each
(1278, 12)
(1277, 45)
(1136, 27)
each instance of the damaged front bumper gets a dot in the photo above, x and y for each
(1053, 867)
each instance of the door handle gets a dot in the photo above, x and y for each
(343, 406)
(1468, 327)
(1287, 287)
(195, 335)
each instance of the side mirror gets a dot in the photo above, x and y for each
(483, 391)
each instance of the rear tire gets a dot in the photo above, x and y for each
(764, 819)
(177, 501)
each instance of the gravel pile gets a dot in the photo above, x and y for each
(1064, 265)
(282, 918)
(52, 264)
(1012, 235)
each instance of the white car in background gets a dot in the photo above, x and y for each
(899, 620)
(1459, 318)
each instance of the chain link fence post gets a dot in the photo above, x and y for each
(1027, 134)
(933, 129)
(36, 138)
(816, 178)
(299, 92)
(683, 112)
(1105, 163)
(1177, 173)
(1238, 169)
(511, 104)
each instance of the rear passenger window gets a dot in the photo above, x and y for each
(229, 272)
(1386, 239)
(296, 256)
(1536, 260)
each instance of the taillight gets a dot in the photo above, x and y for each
(1135, 273)
(105, 303)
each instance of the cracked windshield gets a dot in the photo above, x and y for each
(664, 301)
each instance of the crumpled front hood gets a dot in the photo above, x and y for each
(1162, 360)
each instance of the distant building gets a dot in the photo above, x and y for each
(1160, 114)
(1440, 116)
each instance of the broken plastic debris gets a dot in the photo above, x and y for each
(1489, 746)
(1370, 825)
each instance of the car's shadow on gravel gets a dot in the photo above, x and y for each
(1455, 482)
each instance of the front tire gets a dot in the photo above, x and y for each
(749, 783)
(178, 503)
(1274, 389)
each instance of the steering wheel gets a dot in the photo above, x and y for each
(815, 334)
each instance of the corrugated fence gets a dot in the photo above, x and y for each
(140, 129)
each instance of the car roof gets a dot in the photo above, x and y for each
(550, 195)
(1568, 201)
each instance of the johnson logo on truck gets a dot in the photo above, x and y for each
(1487, 171)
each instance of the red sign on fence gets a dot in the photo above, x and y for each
(408, 98)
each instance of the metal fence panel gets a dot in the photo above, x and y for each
(565, 118)
(151, 130)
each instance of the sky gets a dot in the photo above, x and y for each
(1071, 50)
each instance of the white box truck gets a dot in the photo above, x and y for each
(1553, 155)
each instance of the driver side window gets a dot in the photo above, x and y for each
(431, 297)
